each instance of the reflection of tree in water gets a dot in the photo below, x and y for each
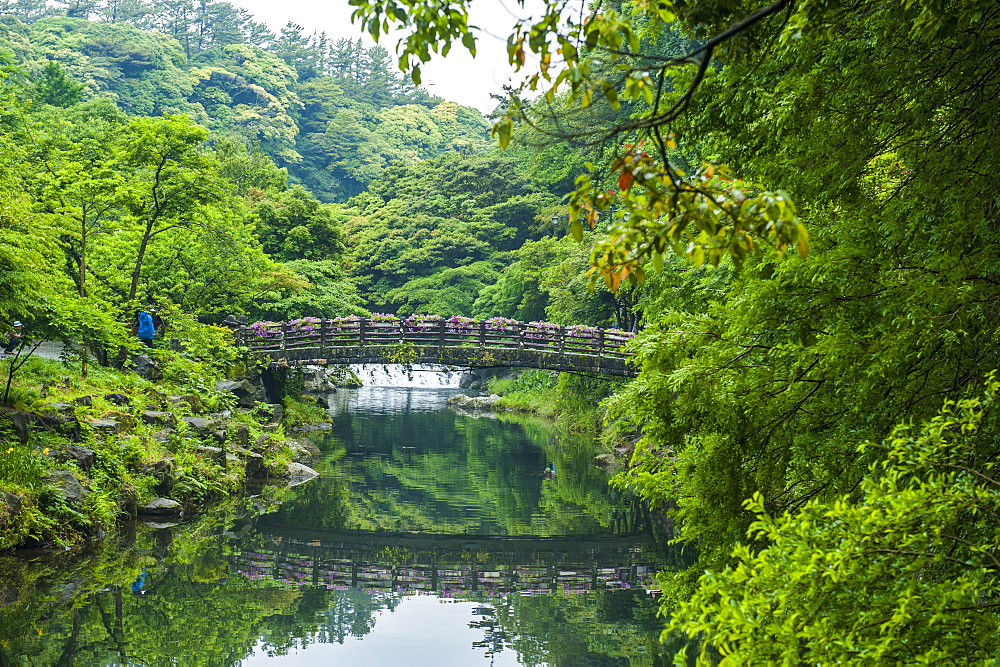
(438, 472)
(323, 502)
(197, 602)
(351, 613)
(495, 639)
(81, 608)
(326, 616)
(599, 628)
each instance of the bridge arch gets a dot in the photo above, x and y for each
(456, 341)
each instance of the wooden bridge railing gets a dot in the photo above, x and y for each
(510, 339)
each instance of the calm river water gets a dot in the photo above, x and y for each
(430, 538)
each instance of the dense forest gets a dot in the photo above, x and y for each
(181, 155)
(792, 202)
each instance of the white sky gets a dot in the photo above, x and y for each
(457, 78)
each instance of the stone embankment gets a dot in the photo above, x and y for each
(83, 434)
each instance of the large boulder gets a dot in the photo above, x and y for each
(159, 417)
(161, 507)
(299, 473)
(68, 486)
(247, 393)
(322, 426)
(82, 456)
(253, 461)
(470, 380)
(145, 367)
(61, 418)
(12, 501)
(124, 419)
(22, 425)
(155, 396)
(117, 399)
(191, 400)
(318, 379)
(263, 442)
(241, 435)
(163, 435)
(304, 449)
(474, 402)
(164, 472)
(206, 427)
(211, 453)
(272, 412)
(103, 424)
(343, 376)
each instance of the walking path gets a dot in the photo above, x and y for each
(50, 349)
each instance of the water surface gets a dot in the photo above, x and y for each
(430, 538)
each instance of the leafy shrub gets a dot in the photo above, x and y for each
(21, 468)
(303, 411)
(904, 571)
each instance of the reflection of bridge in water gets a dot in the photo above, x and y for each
(495, 342)
(447, 565)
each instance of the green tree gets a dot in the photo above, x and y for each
(144, 72)
(453, 215)
(29, 250)
(449, 291)
(58, 193)
(170, 177)
(905, 570)
(55, 88)
(327, 292)
(246, 89)
(293, 225)
(547, 280)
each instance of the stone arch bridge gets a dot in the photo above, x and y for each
(457, 341)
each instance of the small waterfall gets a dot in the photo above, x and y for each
(415, 375)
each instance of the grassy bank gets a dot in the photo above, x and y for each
(77, 454)
(572, 400)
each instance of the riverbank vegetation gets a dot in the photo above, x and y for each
(574, 401)
(82, 453)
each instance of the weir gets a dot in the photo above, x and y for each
(410, 375)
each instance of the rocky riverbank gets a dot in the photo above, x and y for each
(75, 461)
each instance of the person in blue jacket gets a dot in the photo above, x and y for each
(145, 328)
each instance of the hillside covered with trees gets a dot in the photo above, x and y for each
(332, 112)
(182, 154)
